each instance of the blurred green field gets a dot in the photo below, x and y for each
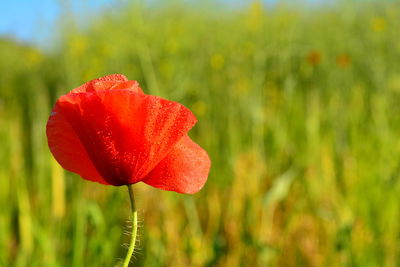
(297, 107)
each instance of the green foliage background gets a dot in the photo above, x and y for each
(297, 107)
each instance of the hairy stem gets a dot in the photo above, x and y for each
(134, 228)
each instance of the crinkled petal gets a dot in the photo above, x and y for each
(110, 82)
(184, 170)
(68, 149)
(125, 134)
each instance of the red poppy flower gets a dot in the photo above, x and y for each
(109, 131)
(314, 58)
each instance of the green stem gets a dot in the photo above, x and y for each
(134, 228)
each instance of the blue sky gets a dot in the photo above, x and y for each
(35, 20)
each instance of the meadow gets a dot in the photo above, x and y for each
(298, 108)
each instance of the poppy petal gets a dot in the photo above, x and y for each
(184, 170)
(128, 85)
(68, 149)
(110, 82)
(126, 134)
